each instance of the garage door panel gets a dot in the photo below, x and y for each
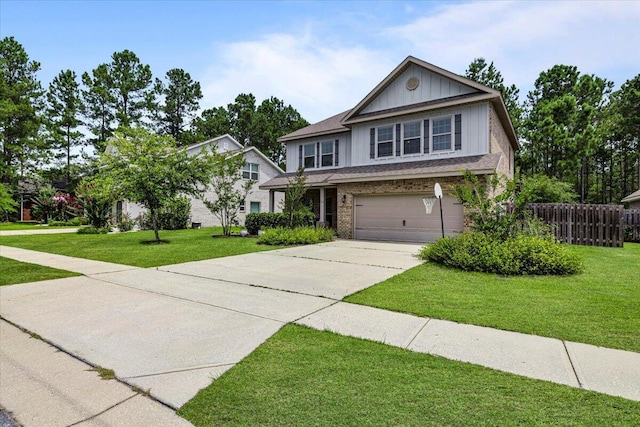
(403, 218)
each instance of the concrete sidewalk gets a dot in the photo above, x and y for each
(175, 328)
(41, 230)
(43, 386)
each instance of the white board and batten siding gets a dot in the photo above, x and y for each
(402, 218)
(344, 151)
(475, 135)
(432, 87)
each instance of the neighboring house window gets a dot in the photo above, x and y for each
(254, 207)
(441, 134)
(385, 141)
(243, 206)
(326, 148)
(250, 171)
(309, 155)
(411, 137)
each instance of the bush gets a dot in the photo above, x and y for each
(265, 220)
(522, 254)
(281, 236)
(93, 230)
(125, 223)
(174, 215)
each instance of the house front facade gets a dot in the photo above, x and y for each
(257, 167)
(369, 168)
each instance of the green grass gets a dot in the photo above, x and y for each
(302, 377)
(600, 306)
(24, 226)
(127, 248)
(14, 272)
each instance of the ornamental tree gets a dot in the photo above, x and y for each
(151, 170)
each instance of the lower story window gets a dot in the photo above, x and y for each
(243, 206)
(254, 207)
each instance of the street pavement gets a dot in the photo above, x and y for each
(171, 330)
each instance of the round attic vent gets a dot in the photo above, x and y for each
(412, 83)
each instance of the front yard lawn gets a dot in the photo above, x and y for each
(126, 248)
(600, 306)
(305, 377)
(14, 272)
(25, 226)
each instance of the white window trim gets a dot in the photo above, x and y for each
(250, 171)
(420, 137)
(243, 206)
(333, 153)
(304, 156)
(385, 142)
(451, 118)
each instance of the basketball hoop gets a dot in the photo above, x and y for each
(428, 203)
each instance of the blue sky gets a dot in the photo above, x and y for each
(324, 57)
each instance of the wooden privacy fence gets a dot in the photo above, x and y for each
(632, 225)
(592, 225)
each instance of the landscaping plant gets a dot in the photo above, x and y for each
(282, 236)
(226, 173)
(504, 238)
(96, 197)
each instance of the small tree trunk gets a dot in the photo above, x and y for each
(154, 222)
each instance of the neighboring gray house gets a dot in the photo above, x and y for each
(633, 199)
(257, 167)
(370, 167)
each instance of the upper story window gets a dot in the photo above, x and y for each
(385, 141)
(411, 137)
(250, 171)
(441, 134)
(309, 156)
(326, 150)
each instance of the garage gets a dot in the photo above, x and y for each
(402, 218)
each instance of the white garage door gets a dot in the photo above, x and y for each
(402, 218)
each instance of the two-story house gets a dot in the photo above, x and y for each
(258, 168)
(368, 168)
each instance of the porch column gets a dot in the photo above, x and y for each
(271, 200)
(322, 206)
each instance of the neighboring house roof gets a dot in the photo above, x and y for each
(632, 197)
(263, 157)
(236, 144)
(479, 92)
(328, 126)
(482, 164)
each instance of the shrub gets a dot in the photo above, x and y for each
(265, 220)
(93, 230)
(125, 223)
(522, 254)
(281, 236)
(95, 199)
(174, 215)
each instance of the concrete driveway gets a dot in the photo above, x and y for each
(173, 329)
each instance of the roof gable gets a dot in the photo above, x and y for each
(430, 84)
(222, 143)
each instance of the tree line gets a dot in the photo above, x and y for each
(573, 128)
(41, 126)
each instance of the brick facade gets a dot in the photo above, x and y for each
(499, 143)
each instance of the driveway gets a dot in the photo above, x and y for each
(173, 329)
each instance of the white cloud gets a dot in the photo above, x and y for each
(319, 80)
(321, 71)
(525, 38)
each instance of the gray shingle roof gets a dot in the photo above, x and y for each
(407, 170)
(632, 197)
(331, 125)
